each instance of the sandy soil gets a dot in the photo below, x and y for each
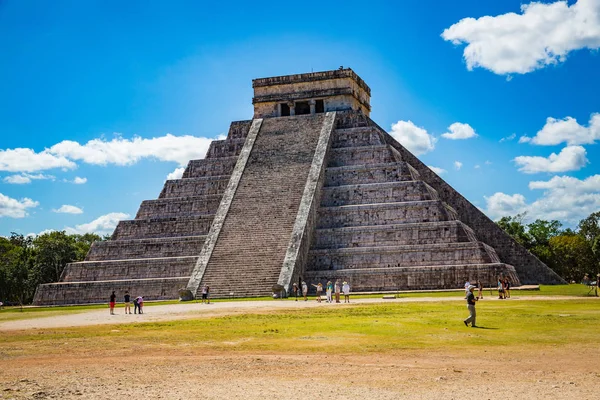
(155, 374)
(404, 375)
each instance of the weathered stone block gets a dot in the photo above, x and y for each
(388, 192)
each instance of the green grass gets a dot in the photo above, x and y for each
(366, 328)
(15, 313)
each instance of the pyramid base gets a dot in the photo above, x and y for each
(416, 278)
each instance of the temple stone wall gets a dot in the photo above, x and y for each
(210, 167)
(379, 154)
(377, 193)
(393, 235)
(145, 248)
(384, 214)
(180, 206)
(407, 255)
(163, 227)
(99, 291)
(416, 278)
(363, 174)
(186, 187)
(130, 269)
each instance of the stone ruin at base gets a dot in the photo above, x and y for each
(310, 189)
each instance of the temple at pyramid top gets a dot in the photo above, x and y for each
(311, 93)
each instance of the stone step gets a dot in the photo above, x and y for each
(179, 206)
(369, 173)
(400, 256)
(65, 293)
(374, 193)
(239, 129)
(393, 235)
(141, 268)
(351, 120)
(210, 167)
(225, 148)
(185, 187)
(360, 155)
(365, 136)
(256, 232)
(146, 248)
(384, 214)
(426, 277)
(163, 227)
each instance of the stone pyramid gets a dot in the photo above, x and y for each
(310, 189)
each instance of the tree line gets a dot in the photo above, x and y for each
(26, 261)
(570, 253)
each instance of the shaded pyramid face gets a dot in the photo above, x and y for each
(319, 197)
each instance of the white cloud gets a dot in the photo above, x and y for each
(508, 138)
(68, 209)
(27, 160)
(542, 35)
(102, 225)
(571, 158)
(477, 166)
(14, 208)
(458, 165)
(24, 178)
(565, 198)
(118, 151)
(121, 151)
(177, 174)
(500, 205)
(414, 138)
(459, 131)
(488, 162)
(566, 130)
(437, 170)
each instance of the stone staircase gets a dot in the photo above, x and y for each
(154, 254)
(248, 255)
(381, 227)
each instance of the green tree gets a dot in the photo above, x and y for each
(573, 257)
(53, 251)
(83, 244)
(516, 229)
(589, 227)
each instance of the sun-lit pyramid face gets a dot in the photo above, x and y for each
(310, 93)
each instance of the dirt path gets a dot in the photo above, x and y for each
(404, 375)
(197, 310)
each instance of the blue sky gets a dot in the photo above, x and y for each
(80, 80)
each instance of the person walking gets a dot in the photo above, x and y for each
(305, 290)
(126, 300)
(136, 306)
(500, 289)
(479, 290)
(295, 290)
(112, 302)
(471, 299)
(346, 290)
(329, 291)
(337, 289)
(506, 288)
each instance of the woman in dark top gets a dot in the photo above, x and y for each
(113, 300)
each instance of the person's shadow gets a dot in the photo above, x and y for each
(484, 327)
